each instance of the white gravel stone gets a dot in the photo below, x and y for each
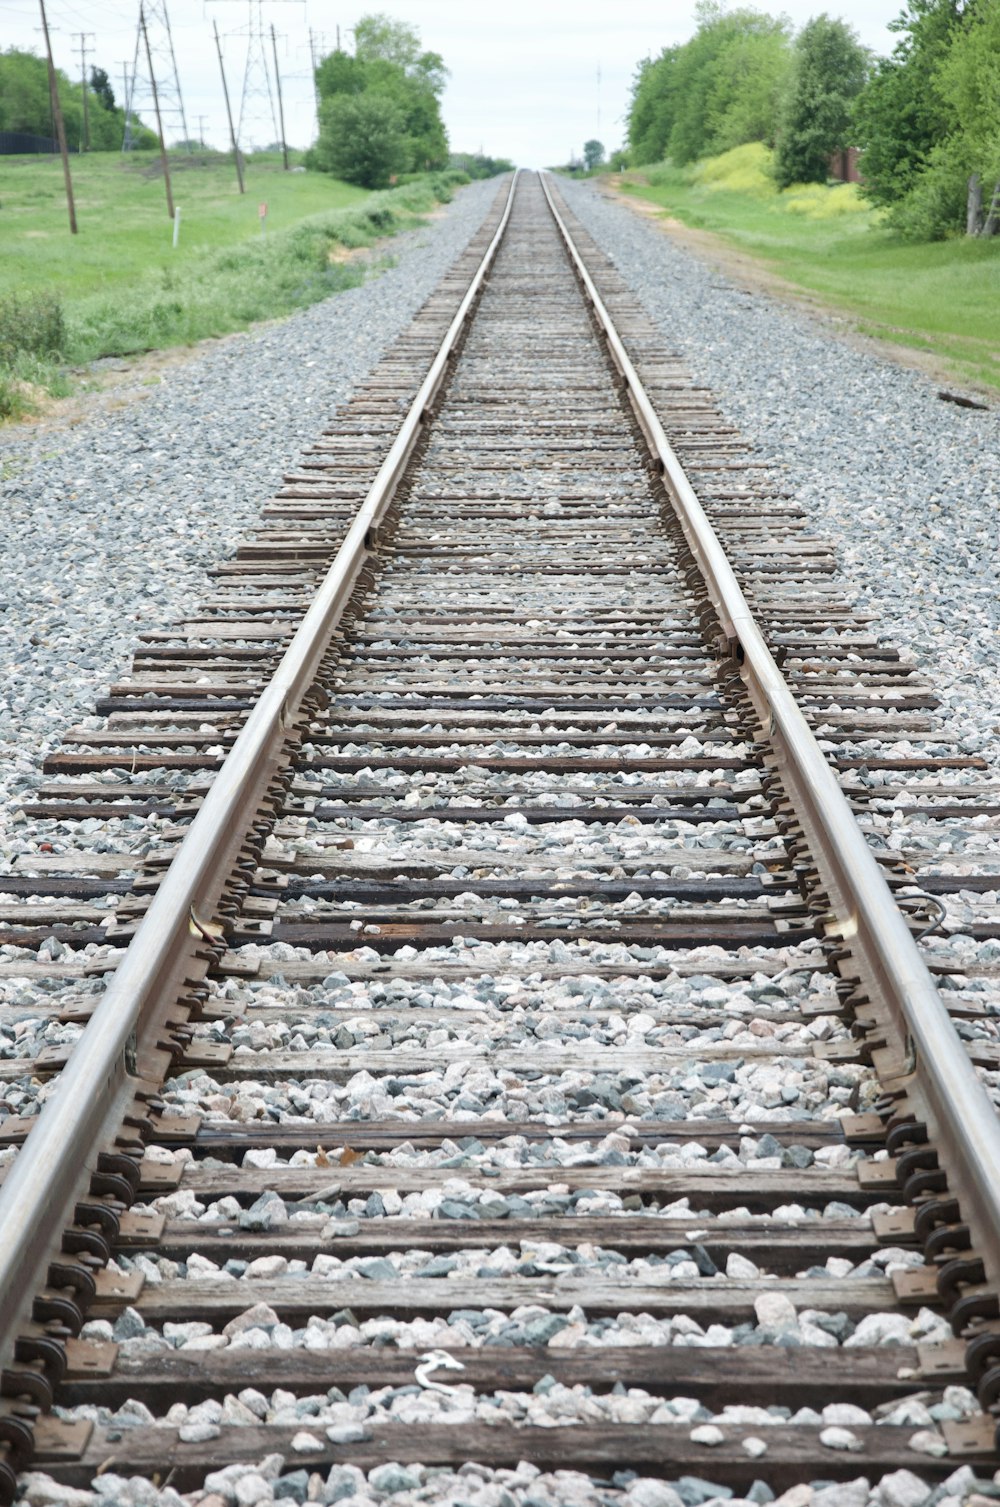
(927, 1442)
(902, 1489)
(648, 1492)
(844, 1494)
(840, 1439)
(775, 1311)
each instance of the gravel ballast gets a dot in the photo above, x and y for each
(752, 1065)
(109, 526)
(905, 485)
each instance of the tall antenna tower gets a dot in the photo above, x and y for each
(167, 80)
(257, 85)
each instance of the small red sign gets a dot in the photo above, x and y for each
(262, 211)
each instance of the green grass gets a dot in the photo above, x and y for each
(123, 288)
(121, 212)
(937, 297)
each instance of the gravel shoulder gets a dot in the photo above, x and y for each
(905, 485)
(115, 506)
(753, 275)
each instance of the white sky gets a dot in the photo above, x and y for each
(530, 79)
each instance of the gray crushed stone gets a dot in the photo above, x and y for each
(906, 485)
(109, 526)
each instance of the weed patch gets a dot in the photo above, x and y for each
(125, 290)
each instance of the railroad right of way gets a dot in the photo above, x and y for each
(527, 1106)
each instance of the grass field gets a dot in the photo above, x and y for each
(121, 212)
(938, 297)
(119, 286)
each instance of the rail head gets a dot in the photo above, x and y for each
(54, 1166)
(940, 1082)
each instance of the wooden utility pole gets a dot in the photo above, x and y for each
(312, 55)
(159, 122)
(127, 98)
(57, 117)
(229, 112)
(84, 49)
(315, 66)
(281, 108)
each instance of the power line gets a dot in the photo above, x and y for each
(315, 81)
(229, 112)
(256, 75)
(159, 121)
(165, 92)
(281, 107)
(84, 49)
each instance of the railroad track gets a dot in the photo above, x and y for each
(519, 1025)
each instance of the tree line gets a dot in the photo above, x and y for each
(379, 109)
(926, 119)
(26, 106)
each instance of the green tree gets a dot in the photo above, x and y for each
(651, 115)
(748, 80)
(389, 65)
(100, 85)
(902, 114)
(478, 165)
(339, 73)
(829, 68)
(693, 82)
(593, 155)
(362, 139)
(25, 104)
(969, 81)
(721, 88)
(380, 40)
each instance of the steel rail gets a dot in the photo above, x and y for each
(939, 1080)
(53, 1168)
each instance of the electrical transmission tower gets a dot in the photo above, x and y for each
(154, 73)
(257, 87)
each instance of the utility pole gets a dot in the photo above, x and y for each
(312, 55)
(57, 116)
(127, 138)
(159, 122)
(229, 112)
(281, 108)
(84, 49)
(201, 130)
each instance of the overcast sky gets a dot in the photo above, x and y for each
(530, 79)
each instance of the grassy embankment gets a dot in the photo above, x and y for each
(938, 297)
(120, 287)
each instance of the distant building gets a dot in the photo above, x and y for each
(844, 165)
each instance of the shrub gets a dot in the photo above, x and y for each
(934, 208)
(32, 324)
(11, 401)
